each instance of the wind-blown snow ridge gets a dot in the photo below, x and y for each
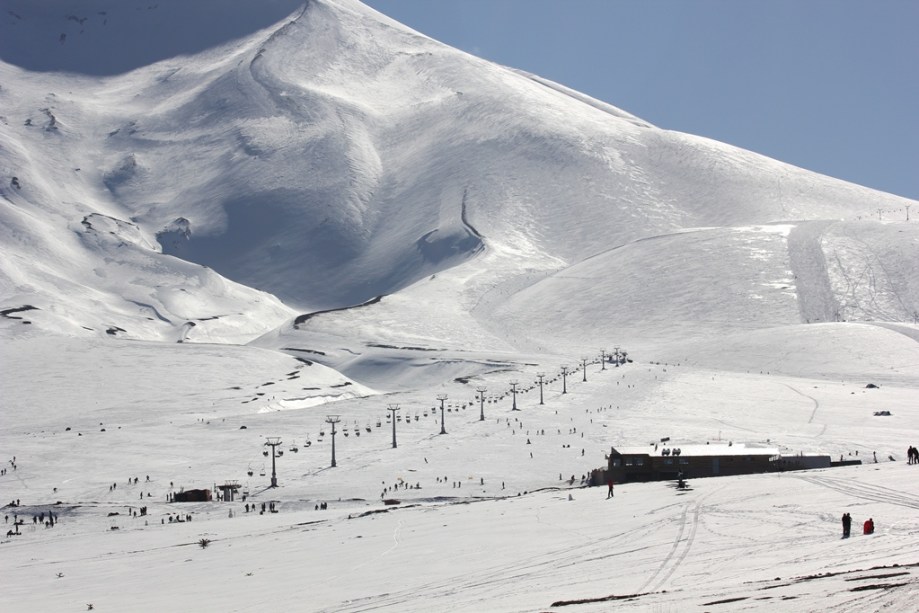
(598, 104)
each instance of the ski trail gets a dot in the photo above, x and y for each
(873, 493)
(676, 543)
(816, 300)
(811, 398)
(395, 538)
(680, 549)
(546, 564)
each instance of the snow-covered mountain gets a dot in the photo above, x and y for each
(181, 171)
(333, 213)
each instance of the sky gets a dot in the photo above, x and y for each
(827, 85)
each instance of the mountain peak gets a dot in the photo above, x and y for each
(306, 157)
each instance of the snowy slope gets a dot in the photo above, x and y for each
(330, 157)
(496, 524)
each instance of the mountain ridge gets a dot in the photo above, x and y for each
(335, 156)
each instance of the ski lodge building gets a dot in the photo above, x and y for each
(192, 496)
(661, 461)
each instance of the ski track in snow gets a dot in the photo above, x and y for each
(864, 491)
(672, 562)
(816, 402)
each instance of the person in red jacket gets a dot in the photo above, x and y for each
(869, 526)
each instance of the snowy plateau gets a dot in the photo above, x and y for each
(224, 221)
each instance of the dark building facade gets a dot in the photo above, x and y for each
(193, 496)
(656, 462)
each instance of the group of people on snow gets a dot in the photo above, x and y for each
(867, 528)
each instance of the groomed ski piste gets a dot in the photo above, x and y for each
(306, 213)
(496, 523)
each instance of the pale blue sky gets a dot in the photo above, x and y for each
(828, 85)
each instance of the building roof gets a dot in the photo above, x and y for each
(712, 449)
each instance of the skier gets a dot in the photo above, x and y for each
(846, 525)
(869, 526)
(609, 493)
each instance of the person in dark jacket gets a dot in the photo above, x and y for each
(846, 525)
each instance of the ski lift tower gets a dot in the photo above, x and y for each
(481, 390)
(584, 366)
(442, 397)
(333, 419)
(273, 442)
(564, 379)
(603, 355)
(541, 376)
(514, 384)
(392, 409)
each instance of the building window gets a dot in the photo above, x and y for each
(668, 461)
(639, 461)
(628, 461)
(684, 461)
(617, 462)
